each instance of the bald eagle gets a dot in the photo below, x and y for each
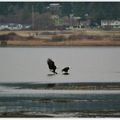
(51, 65)
(65, 70)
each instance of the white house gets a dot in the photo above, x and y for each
(3, 26)
(27, 26)
(112, 23)
(14, 26)
(11, 26)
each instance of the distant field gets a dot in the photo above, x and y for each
(64, 38)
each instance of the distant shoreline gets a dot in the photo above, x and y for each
(60, 38)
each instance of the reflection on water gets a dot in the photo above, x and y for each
(52, 74)
(66, 73)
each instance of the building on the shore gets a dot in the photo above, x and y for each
(77, 23)
(110, 23)
(66, 22)
(74, 21)
(26, 26)
(54, 8)
(11, 26)
(14, 26)
(85, 23)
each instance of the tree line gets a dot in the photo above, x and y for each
(21, 12)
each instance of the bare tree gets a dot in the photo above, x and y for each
(43, 21)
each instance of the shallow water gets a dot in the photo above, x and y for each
(61, 103)
(88, 64)
(26, 66)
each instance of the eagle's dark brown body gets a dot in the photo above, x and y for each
(65, 69)
(51, 65)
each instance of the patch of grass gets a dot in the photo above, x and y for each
(86, 37)
(48, 33)
(58, 38)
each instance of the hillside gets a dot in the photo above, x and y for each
(21, 12)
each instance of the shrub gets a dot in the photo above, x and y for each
(58, 38)
(48, 33)
(3, 43)
(12, 34)
(76, 37)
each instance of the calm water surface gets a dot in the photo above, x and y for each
(88, 64)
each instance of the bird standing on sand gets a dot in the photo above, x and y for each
(51, 65)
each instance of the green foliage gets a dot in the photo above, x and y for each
(58, 38)
(66, 8)
(94, 10)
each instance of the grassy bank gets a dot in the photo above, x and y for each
(61, 38)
